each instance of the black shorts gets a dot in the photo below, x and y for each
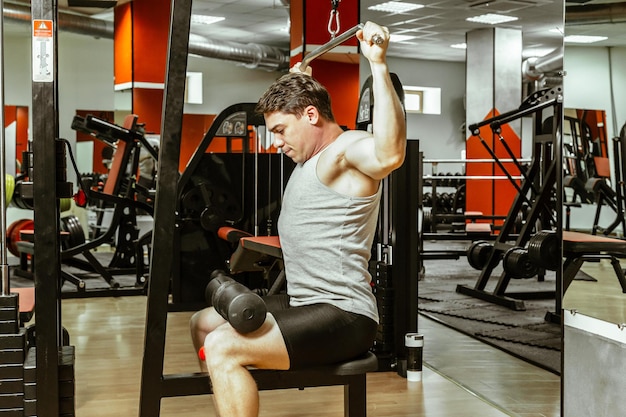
(320, 334)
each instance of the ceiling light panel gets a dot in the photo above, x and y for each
(584, 39)
(501, 6)
(491, 19)
(401, 38)
(395, 7)
(204, 19)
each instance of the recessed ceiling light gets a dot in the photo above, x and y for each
(491, 18)
(205, 20)
(459, 46)
(395, 7)
(400, 38)
(584, 39)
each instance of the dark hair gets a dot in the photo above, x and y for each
(292, 93)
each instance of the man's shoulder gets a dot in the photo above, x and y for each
(348, 137)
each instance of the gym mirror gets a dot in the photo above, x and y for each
(593, 140)
(594, 301)
(425, 58)
(593, 202)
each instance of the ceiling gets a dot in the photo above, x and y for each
(436, 26)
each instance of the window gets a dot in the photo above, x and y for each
(426, 100)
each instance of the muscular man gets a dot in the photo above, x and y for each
(326, 227)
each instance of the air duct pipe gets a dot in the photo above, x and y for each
(536, 67)
(264, 57)
(593, 14)
(251, 55)
(79, 24)
(589, 14)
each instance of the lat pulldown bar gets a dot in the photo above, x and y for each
(378, 40)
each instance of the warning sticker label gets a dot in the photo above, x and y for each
(43, 51)
(42, 28)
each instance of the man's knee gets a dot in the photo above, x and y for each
(220, 347)
(193, 321)
(205, 320)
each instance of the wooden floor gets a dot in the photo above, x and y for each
(583, 296)
(462, 377)
(108, 335)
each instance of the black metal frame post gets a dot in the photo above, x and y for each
(47, 262)
(405, 243)
(165, 210)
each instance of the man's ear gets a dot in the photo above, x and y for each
(312, 114)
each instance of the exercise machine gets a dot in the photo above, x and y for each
(537, 189)
(155, 385)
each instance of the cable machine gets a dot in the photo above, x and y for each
(542, 177)
(155, 385)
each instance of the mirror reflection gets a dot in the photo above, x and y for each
(467, 196)
(593, 245)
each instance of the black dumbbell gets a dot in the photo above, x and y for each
(242, 308)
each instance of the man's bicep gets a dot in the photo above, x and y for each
(363, 156)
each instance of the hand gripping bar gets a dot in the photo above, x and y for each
(378, 40)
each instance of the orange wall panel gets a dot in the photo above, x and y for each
(596, 120)
(317, 16)
(123, 44)
(491, 196)
(478, 192)
(147, 104)
(21, 134)
(10, 115)
(194, 128)
(19, 116)
(342, 82)
(151, 19)
(296, 34)
(140, 44)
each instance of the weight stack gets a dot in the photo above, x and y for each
(12, 352)
(384, 292)
(66, 383)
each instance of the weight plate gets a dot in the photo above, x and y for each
(544, 250)
(517, 263)
(478, 254)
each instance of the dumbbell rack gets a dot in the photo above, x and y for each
(542, 176)
(18, 366)
(444, 206)
(12, 355)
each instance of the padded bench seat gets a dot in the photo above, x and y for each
(255, 253)
(350, 374)
(478, 228)
(26, 306)
(577, 242)
(473, 215)
(580, 247)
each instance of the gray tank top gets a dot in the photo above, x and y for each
(326, 239)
